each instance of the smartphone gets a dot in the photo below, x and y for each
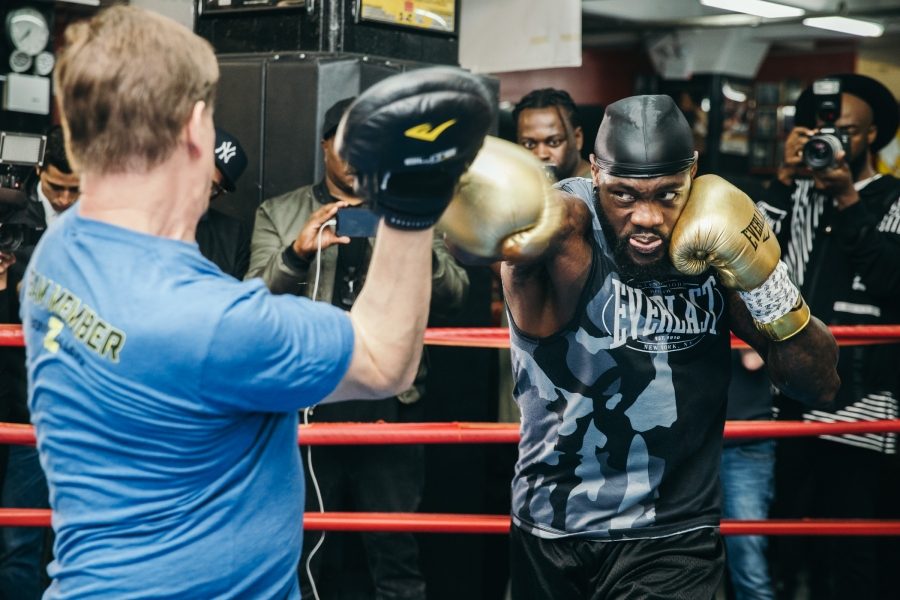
(355, 221)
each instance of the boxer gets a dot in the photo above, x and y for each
(621, 300)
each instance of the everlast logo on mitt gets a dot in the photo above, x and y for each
(756, 231)
(410, 137)
(426, 133)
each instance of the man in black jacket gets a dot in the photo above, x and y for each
(839, 227)
(222, 238)
(56, 186)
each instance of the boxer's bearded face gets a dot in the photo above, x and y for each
(637, 216)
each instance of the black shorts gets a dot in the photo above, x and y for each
(685, 566)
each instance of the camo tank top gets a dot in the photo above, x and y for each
(623, 409)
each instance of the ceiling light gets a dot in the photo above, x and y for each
(845, 25)
(759, 8)
(733, 94)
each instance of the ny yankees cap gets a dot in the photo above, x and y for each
(231, 160)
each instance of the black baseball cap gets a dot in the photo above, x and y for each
(231, 160)
(885, 115)
(333, 117)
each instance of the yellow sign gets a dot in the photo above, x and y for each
(433, 15)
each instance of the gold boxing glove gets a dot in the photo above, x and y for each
(504, 207)
(721, 227)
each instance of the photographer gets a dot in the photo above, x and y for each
(55, 187)
(839, 224)
(52, 189)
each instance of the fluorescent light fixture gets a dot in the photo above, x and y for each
(845, 25)
(759, 8)
(733, 94)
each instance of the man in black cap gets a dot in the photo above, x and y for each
(621, 302)
(231, 161)
(222, 238)
(840, 227)
(296, 250)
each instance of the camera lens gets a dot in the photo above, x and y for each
(11, 237)
(820, 150)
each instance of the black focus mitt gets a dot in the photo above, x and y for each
(410, 137)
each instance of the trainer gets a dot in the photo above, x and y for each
(165, 393)
(621, 301)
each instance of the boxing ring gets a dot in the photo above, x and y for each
(319, 434)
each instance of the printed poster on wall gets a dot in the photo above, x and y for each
(519, 35)
(433, 15)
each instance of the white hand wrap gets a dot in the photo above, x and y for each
(777, 308)
(775, 298)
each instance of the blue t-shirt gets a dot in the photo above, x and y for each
(164, 395)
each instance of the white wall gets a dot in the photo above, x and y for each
(518, 35)
(179, 10)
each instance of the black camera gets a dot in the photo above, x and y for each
(19, 154)
(820, 151)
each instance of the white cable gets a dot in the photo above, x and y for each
(329, 223)
(309, 464)
(315, 482)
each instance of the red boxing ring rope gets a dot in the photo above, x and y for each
(11, 335)
(499, 524)
(346, 434)
(498, 337)
(454, 433)
(457, 433)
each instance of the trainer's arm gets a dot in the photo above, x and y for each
(389, 317)
(803, 366)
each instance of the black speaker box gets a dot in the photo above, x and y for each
(274, 103)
